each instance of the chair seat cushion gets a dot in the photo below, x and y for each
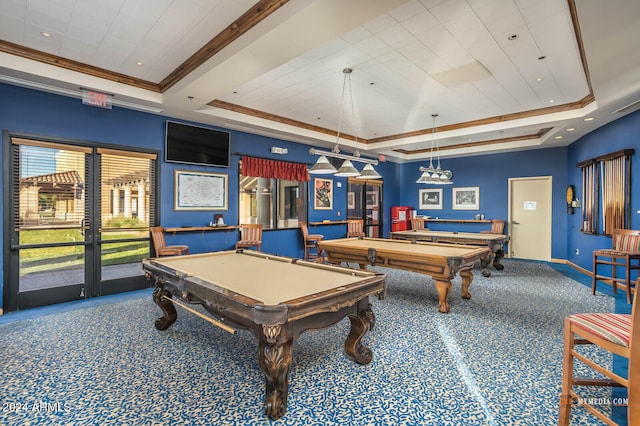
(612, 327)
(249, 242)
(315, 237)
(617, 253)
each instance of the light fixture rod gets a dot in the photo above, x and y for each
(314, 151)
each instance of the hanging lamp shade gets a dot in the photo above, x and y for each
(347, 170)
(425, 177)
(322, 167)
(368, 172)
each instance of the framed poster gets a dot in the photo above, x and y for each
(466, 198)
(351, 200)
(430, 199)
(323, 194)
(372, 199)
(200, 191)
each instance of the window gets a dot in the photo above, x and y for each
(275, 203)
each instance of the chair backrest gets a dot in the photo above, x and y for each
(626, 240)
(417, 223)
(497, 226)
(157, 234)
(251, 232)
(633, 392)
(355, 228)
(305, 230)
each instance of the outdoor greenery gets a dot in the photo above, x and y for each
(60, 257)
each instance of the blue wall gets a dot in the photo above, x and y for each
(491, 174)
(46, 115)
(621, 134)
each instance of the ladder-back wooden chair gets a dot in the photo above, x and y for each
(497, 227)
(625, 253)
(355, 228)
(310, 243)
(615, 333)
(161, 247)
(250, 236)
(417, 223)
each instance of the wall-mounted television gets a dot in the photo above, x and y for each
(196, 145)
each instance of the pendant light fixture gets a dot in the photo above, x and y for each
(323, 166)
(435, 175)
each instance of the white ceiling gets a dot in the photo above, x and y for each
(283, 77)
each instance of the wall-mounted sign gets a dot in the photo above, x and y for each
(96, 99)
(530, 205)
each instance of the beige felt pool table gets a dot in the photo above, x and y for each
(276, 298)
(439, 261)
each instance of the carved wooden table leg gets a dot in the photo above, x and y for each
(497, 259)
(360, 325)
(484, 265)
(467, 277)
(168, 310)
(275, 361)
(443, 287)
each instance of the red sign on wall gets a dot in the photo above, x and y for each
(96, 99)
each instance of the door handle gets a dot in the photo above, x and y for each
(513, 222)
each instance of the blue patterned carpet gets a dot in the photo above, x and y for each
(493, 360)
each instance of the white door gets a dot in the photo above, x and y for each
(530, 218)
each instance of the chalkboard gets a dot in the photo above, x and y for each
(200, 191)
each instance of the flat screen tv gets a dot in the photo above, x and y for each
(196, 145)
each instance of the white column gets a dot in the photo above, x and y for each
(116, 201)
(142, 201)
(127, 201)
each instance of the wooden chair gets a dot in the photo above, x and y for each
(162, 249)
(355, 228)
(417, 223)
(615, 333)
(310, 243)
(250, 236)
(497, 227)
(624, 254)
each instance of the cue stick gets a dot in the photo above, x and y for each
(193, 311)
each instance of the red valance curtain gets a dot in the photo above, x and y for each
(272, 169)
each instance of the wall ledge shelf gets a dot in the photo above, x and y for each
(201, 229)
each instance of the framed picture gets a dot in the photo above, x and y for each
(200, 191)
(466, 198)
(351, 200)
(323, 194)
(430, 199)
(372, 199)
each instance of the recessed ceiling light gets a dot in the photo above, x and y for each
(139, 63)
(539, 79)
(551, 101)
(513, 36)
(45, 34)
(558, 137)
(589, 119)
(571, 129)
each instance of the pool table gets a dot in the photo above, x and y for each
(276, 298)
(440, 261)
(493, 241)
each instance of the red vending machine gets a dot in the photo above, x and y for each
(401, 218)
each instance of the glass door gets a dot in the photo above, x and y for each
(63, 240)
(364, 201)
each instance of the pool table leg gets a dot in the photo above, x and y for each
(360, 325)
(168, 310)
(467, 277)
(275, 362)
(484, 265)
(497, 259)
(443, 287)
